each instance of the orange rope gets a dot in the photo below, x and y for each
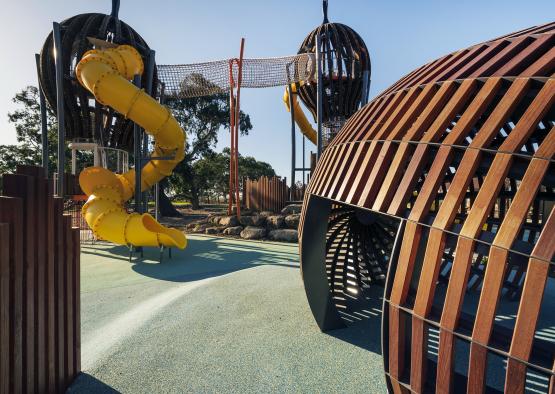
(237, 118)
(234, 116)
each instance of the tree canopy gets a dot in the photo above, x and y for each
(28, 150)
(212, 172)
(203, 172)
(26, 119)
(201, 118)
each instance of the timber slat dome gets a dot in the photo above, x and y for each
(453, 168)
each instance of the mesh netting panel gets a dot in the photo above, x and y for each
(330, 129)
(204, 79)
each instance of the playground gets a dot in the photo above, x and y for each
(220, 296)
(394, 240)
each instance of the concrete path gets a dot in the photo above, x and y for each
(220, 316)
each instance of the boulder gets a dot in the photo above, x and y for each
(265, 214)
(229, 221)
(284, 235)
(291, 209)
(254, 220)
(251, 232)
(212, 230)
(214, 219)
(200, 227)
(275, 222)
(292, 221)
(236, 230)
(259, 221)
(246, 220)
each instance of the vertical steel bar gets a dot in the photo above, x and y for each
(115, 8)
(73, 161)
(319, 97)
(157, 189)
(137, 154)
(293, 142)
(149, 89)
(156, 200)
(60, 106)
(365, 88)
(304, 162)
(43, 121)
(98, 123)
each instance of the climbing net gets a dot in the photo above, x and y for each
(204, 79)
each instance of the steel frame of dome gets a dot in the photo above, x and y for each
(81, 118)
(457, 157)
(340, 87)
(345, 64)
(344, 68)
(81, 111)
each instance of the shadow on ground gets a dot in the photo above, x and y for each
(364, 325)
(247, 332)
(202, 258)
(85, 383)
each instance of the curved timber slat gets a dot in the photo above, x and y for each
(446, 183)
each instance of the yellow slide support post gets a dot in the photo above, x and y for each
(300, 117)
(107, 74)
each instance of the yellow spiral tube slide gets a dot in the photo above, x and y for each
(300, 117)
(107, 74)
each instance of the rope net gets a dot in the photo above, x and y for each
(205, 79)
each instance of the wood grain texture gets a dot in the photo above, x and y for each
(462, 149)
(4, 308)
(529, 307)
(39, 287)
(266, 194)
(425, 119)
(11, 212)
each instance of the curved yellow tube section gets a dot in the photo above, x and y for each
(106, 74)
(300, 117)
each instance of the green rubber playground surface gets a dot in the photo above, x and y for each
(221, 316)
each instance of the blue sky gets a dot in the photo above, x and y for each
(400, 35)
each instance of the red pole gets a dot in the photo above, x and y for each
(232, 143)
(237, 117)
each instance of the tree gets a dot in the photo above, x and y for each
(201, 118)
(26, 119)
(28, 149)
(250, 168)
(212, 172)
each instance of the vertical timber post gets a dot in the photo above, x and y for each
(60, 107)
(43, 121)
(319, 97)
